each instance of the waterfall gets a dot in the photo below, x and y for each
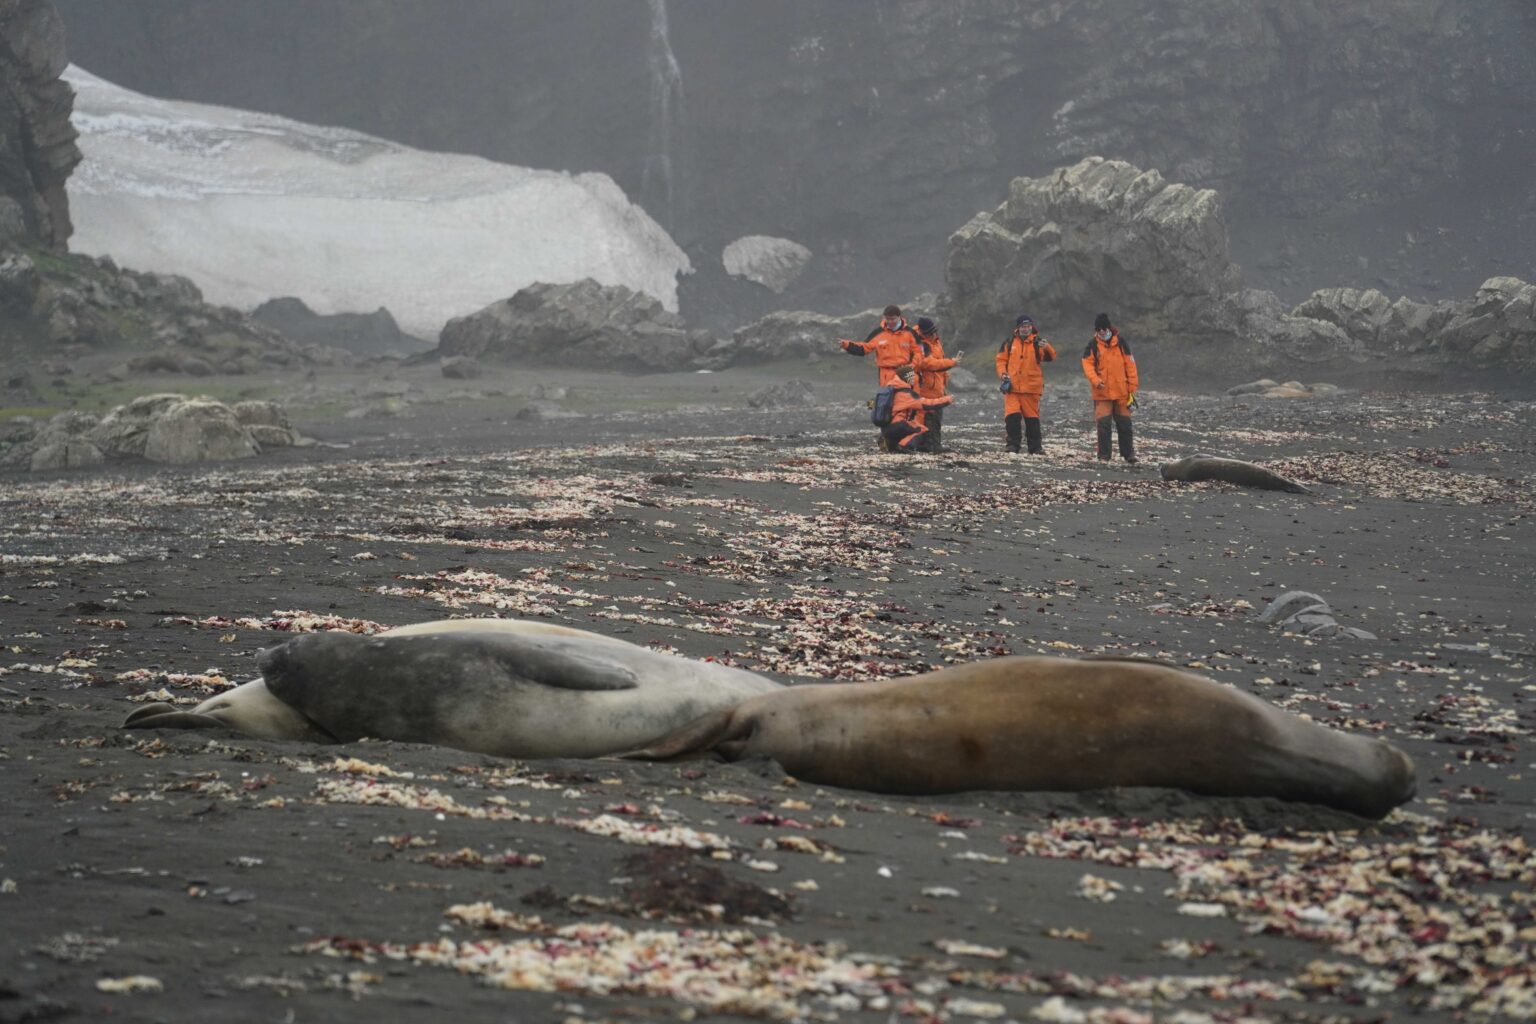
(666, 111)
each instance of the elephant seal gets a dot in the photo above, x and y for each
(1032, 723)
(1194, 468)
(494, 686)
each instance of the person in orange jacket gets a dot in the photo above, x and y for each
(1022, 382)
(907, 429)
(932, 378)
(893, 343)
(1111, 371)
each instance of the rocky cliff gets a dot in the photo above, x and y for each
(37, 142)
(868, 129)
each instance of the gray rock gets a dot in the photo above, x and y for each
(1100, 233)
(1362, 315)
(74, 454)
(962, 381)
(797, 334)
(461, 368)
(19, 282)
(267, 436)
(197, 430)
(361, 334)
(584, 324)
(785, 395)
(771, 262)
(260, 413)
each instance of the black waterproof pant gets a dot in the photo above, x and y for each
(1127, 438)
(1033, 436)
(934, 441)
(1012, 424)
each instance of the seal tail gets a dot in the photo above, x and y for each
(698, 737)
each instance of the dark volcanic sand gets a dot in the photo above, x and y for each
(269, 882)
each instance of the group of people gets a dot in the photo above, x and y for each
(914, 378)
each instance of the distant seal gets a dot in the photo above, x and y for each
(1029, 723)
(1195, 468)
(494, 686)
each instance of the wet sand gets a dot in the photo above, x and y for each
(175, 875)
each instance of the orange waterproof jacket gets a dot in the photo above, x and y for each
(1019, 360)
(891, 349)
(1110, 368)
(932, 366)
(909, 405)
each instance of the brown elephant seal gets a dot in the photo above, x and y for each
(1195, 468)
(495, 686)
(1050, 724)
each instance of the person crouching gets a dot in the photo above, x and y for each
(906, 431)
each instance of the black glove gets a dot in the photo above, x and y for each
(1006, 386)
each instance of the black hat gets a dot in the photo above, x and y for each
(892, 311)
(1024, 320)
(1101, 322)
(926, 326)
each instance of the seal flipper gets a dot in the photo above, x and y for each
(565, 663)
(161, 715)
(699, 737)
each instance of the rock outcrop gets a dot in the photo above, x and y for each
(37, 141)
(166, 428)
(585, 324)
(1103, 236)
(362, 334)
(798, 334)
(60, 305)
(872, 128)
(1098, 236)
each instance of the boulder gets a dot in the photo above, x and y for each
(771, 262)
(797, 334)
(19, 283)
(197, 430)
(461, 368)
(584, 324)
(962, 380)
(1363, 315)
(1497, 328)
(71, 454)
(788, 394)
(267, 423)
(122, 433)
(1099, 236)
(37, 144)
(362, 334)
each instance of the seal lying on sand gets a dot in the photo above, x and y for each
(1050, 724)
(1195, 468)
(494, 686)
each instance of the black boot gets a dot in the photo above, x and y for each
(1106, 427)
(1127, 439)
(1033, 436)
(1012, 423)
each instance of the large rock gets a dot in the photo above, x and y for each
(771, 262)
(197, 430)
(585, 324)
(19, 284)
(37, 141)
(1099, 236)
(798, 334)
(362, 334)
(1497, 328)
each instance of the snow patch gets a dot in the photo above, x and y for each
(252, 206)
(771, 262)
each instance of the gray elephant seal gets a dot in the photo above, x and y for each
(1050, 724)
(493, 686)
(1195, 468)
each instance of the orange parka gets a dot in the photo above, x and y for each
(1110, 368)
(891, 349)
(908, 404)
(1019, 360)
(932, 366)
